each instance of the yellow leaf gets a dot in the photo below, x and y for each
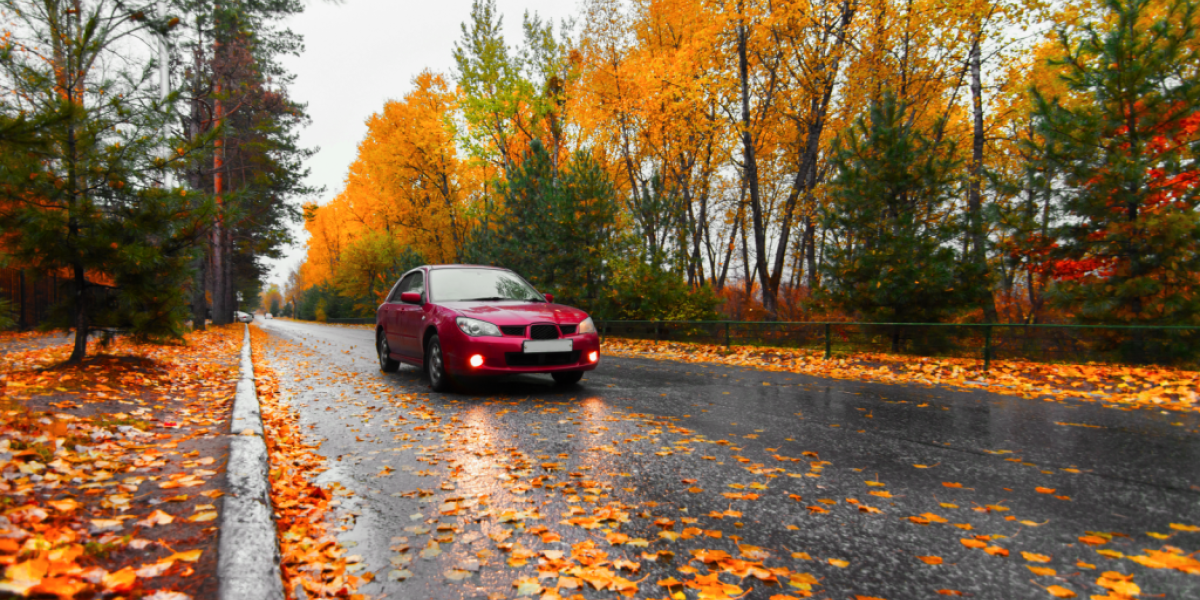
(186, 556)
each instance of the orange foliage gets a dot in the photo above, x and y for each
(408, 188)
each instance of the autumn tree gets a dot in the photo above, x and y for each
(1123, 138)
(510, 98)
(893, 193)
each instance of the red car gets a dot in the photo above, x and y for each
(465, 320)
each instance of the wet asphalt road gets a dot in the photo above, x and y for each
(861, 458)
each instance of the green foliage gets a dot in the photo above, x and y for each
(509, 98)
(329, 301)
(6, 314)
(1124, 142)
(81, 187)
(893, 190)
(557, 228)
(369, 267)
(637, 290)
(320, 314)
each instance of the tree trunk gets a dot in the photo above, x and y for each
(806, 171)
(74, 193)
(222, 313)
(810, 253)
(975, 194)
(81, 321)
(199, 302)
(750, 172)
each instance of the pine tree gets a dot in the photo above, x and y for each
(82, 188)
(892, 210)
(556, 228)
(1124, 137)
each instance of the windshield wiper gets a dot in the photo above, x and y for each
(491, 298)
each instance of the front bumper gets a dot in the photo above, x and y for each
(504, 355)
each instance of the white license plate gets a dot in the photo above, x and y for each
(543, 346)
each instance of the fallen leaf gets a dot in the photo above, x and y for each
(1060, 592)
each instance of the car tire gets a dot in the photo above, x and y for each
(386, 363)
(567, 377)
(435, 366)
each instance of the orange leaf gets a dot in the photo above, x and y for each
(931, 560)
(121, 581)
(1059, 591)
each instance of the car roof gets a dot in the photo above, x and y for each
(456, 266)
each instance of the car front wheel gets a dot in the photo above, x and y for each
(435, 365)
(567, 377)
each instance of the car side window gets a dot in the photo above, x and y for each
(396, 291)
(415, 282)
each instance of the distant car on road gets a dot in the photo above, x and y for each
(242, 317)
(268, 316)
(465, 321)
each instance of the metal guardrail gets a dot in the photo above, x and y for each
(1132, 344)
(353, 321)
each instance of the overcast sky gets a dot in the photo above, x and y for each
(361, 53)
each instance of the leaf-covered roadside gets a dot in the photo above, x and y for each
(314, 563)
(111, 470)
(1114, 386)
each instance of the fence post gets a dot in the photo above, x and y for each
(987, 348)
(22, 322)
(828, 342)
(656, 331)
(726, 335)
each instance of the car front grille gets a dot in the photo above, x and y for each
(543, 331)
(568, 329)
(513, 330)
(520, 359)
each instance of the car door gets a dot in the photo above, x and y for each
(411, 317)
(391, 317)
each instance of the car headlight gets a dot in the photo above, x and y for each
(587, 326)
(477, 328)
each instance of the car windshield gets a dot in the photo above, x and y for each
(457, 285)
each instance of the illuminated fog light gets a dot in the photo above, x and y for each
(593, 356)
(477, 360)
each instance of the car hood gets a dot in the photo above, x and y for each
(514, 313)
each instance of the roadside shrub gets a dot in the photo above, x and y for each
(6, 315)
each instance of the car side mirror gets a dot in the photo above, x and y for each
(410, 297)
(549, 297)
